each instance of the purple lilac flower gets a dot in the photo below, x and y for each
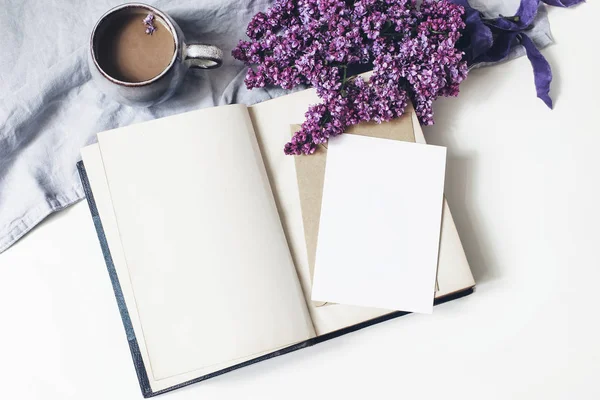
(149, 19)
(412, 50)
(149, 22)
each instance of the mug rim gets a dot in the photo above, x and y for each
(151, 9)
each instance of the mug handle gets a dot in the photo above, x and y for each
(202, 56)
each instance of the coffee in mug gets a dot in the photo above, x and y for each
(138, 55)
(130, 54)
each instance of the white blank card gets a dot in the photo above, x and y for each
(380, 223)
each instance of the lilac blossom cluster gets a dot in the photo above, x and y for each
(412, 50)
(149, 24)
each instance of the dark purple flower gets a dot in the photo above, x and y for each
(492, 39)
(412, 51)
(541, 69)
(478, 38)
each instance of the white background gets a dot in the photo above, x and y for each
(522, 183)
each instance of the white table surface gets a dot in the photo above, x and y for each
(523, 185)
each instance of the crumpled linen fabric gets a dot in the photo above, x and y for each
(50, 109)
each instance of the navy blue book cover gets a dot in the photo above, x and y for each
(132, 340)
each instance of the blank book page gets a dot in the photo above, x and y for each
(208, 261)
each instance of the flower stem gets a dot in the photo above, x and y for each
(344, 80)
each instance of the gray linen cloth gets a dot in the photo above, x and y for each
(49, 108)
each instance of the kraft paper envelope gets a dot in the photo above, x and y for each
(310, 172)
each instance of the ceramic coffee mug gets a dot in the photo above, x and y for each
(151, 89)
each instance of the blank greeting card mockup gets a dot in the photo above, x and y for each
(380, 224)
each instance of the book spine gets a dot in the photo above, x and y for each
(134, 348)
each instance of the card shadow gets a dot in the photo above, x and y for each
(478, 248)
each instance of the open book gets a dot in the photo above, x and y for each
(200, 220)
